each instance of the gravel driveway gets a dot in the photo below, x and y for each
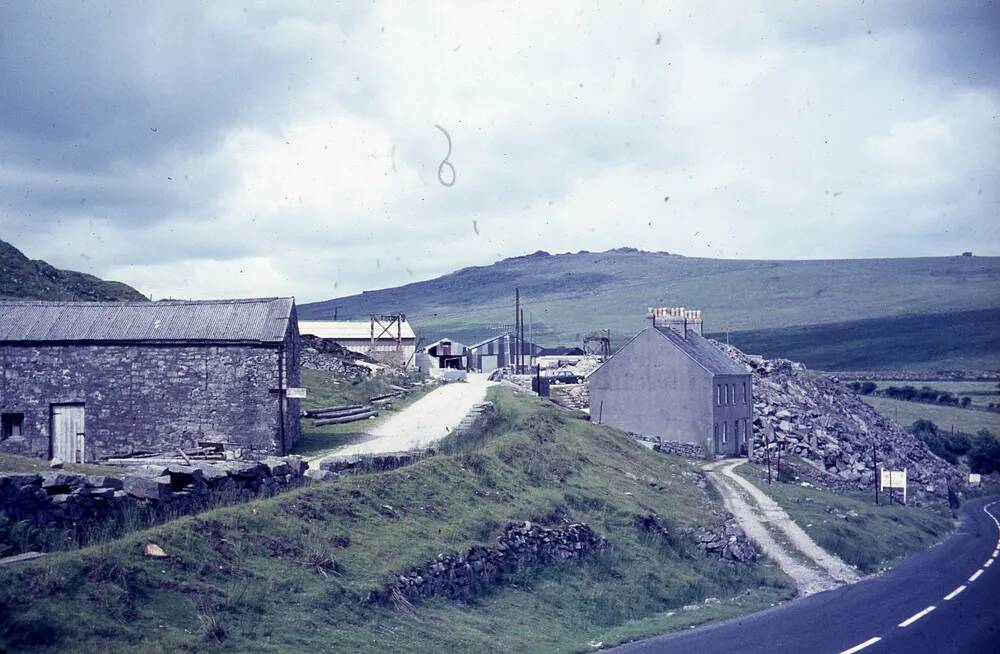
(424, 422)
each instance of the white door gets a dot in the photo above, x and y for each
(68, 432)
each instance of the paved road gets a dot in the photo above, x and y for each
(426, 421)
(879, 614)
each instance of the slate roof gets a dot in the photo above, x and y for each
(703, 352)
(351, 330)
(256, 320)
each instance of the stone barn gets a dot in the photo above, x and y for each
(82, 381)
(671, 382)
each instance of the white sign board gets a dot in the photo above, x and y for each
(296, 393)
(893, 479)
(974, 479)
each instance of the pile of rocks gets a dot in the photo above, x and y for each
(814, 417)
(460, 576)
(726, 540)
(318, 354)
(62, 498)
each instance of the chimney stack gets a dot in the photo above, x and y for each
(679, 319)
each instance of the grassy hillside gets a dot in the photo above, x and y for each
(24, 279)
(259, 576)
(568, 295)
(959, 340)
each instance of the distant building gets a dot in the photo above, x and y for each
(443, 354)
(671, 382)
(86, 380)
(499, 351)
(388, 339)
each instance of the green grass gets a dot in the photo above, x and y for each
(968, 421)
(16, 463)
(568, 295)
(325, 390)
(872, 538)
(245, 571)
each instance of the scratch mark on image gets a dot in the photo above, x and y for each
(445, 162)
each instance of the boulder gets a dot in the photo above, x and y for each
(148, 488)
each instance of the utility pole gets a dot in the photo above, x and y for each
(875, 468)
(517, 320)
(520, 350)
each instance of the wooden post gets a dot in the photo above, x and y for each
(875, 468)
(767, 452)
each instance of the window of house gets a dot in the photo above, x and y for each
(727, 394)
(734, 393)
(725, 431)
(11, 424)
(719, 389)
(744, 392)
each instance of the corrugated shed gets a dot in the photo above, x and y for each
(263, 320)
(701, 350)
(350, 330)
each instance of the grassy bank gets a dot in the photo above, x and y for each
(870, 536)
(968, 421)
(261, 576)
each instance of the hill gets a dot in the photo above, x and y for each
(959, 340)
(24, 279)
(568, 295)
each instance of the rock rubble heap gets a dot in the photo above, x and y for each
(814, 417)
(725, 540)
(462, 575)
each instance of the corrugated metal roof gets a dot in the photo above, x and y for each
(350, 330)
(264, 320)
(701, 350)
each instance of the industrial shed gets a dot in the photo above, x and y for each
(499, 351)
(389, 339)
(672, 383)
(83, 381)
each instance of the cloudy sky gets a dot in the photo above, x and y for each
(290, 148)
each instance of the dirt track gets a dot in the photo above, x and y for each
(813, 568)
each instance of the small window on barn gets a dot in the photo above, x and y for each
(11, 424)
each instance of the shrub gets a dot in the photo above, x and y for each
(868, 387)
(984, 453)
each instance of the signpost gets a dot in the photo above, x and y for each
(893, 479)
(296, 393)
(975, 479)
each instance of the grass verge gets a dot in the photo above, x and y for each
(868, 536)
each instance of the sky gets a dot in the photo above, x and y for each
(297, 148)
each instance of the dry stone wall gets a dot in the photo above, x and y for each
(62, 499)
(462, 575)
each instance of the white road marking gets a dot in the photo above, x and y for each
(858, 648)
(976, 574)
(953, 593)
(913, 618)
(988, 563)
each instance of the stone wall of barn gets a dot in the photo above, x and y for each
(148, 397)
